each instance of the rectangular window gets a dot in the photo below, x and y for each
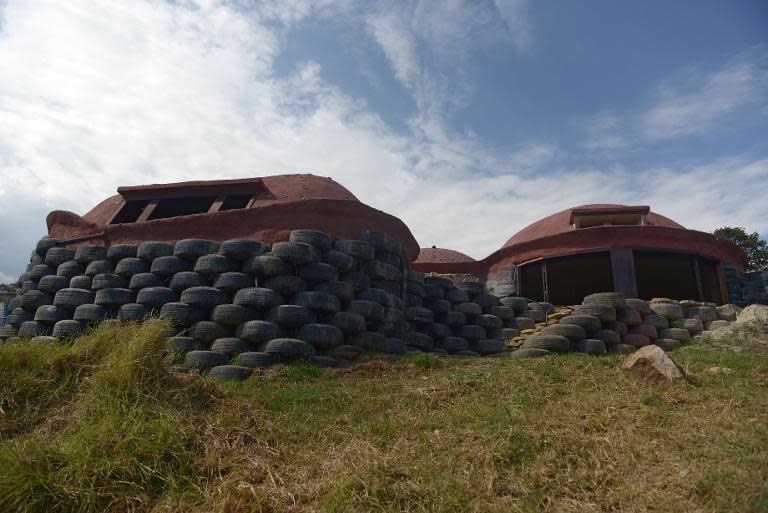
(130, 212)
(235, 201)
(173, 207)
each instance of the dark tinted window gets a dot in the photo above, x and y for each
(130, 212)
(173, 207)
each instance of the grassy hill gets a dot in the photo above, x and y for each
(100, 425)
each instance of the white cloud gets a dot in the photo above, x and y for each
(603, 131)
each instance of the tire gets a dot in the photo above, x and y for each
(369, 340)
(320, 302)
(521, 323)
(185, 280)
(72, 298)
(56, 256)
(453, 344)
(622, 349)
(204, 359)
(80, 282)
(318, 272)
(416, 276)
(485, 300)
(569, 331)
(372, 312)
(258, 298)
(108, 281)
(590, 346)
(288, 347)
(552, 343)
(121, 251)
(392, 259)
(211, 265)
(390, 287)
(113, 298)
(84, 255)
(52, 284)
(290, 316)
(149, 250)
(257, 332)
(180, 346)
(394, 345)
(349, 322)
(453, 319)
(417, 289)
(339, 261)
(608, 337)
(241, 249)
(518, 304)
(469, 308)
(359, 281)
(657, 321)
(127, 267)
(643, 307)
(145, 280)
(208, 331)
(381, 241)
(505, 313)
(703, 313)
(286, 286)
(472, 288)
(419, 340)
(19, 316)
(438, 307)
(603, 312)
(437, 330)
(204, 297)
(44, 244)
(472, 332)
(667, 344)
(101, 267)
(536, 315)
(155, 297)
(382, 271)
(66, 329)
(38, 271)
(232, 282)
(167, 266)
(230, 346)
(590, 323)
(692, 325)
(489, 322)
(412, 300)
(614, 299)
(321, 336)
(14, 302)
(296, 253)
(628, 316)
(457, 296)
(320, 240)
(28, 286)
(190, 249)
(490, 346)
(70, 270)
(504, 333)
(356, 248)
(49, 314)
(182, 314)
(432, 291)
(680, 334)
(233, 315)
(636, 340)
(29, 329)
(132, 312)
(89, 313)
(257, 360)
(340, 289)
(529, 353)
(644, 329)
(266, 266)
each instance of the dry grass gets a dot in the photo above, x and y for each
(101, 426)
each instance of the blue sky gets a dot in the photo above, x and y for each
(467, 119)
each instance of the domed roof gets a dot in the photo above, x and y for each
(435, 255)
(563, 221)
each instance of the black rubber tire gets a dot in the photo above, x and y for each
(185, 280)
(529, 353)
(489, 322)
(182, 314)
(340, 289)
(505, 313)
(383, 271)
(453, 319)
(230, 373)
(14, 302)
(233, 315)
(66, 329)
(614, 299)
(145, 280)
(552, 343)
(590, 323)
(603, 312)
(257, 359)
(392, 259)
(471, 332)
(375, 295)
(372, 312)
(472, 288)
(680, 334)
(349, 322)
(290, 316)
(208, 331)
(320, 240)
(617, 326)
(149, 250)
(56, 256)
(38, 271)
(456, 296)
(393, 345)
(296, 253)
(381, 241)
(390, 287)
(644, 329)
(167, 266)
(70, 269)
(44, 244)
(657, 321)
(286, 285)
(155, 297)
(489, 346)
(432, 291)
(416, 289)
(108, 281)
(536, 315)
(288, 347)
(204, 297)
(101, 267)
(671, 311)
(504, 333)
(520, 323)
(640, 305)
(485, 300)
(356, 248)
(19, 315)
(339, 260)
(439, 281)
(590, 346)
(518, 304)
(570, 331)
(622, 349)
(132, 312)
(72, 298)
(412, 300)
(80, 282)
(607, 336)
(230, 346)
(369, 340)
(257, 297)
(49, 314)
(453, 344)
(27, 286)
(469, 308)
(257, 332)
(120, 251)
(51, 284)
(89, 313)
(232, 282)
(359, 281)
(320, 302)
(29, 329)
(190, 249)
(127, 267)
(318, 272)
(204, 359)
(636, 340)
(266, 266)
(90, 253)
(419, 340)
(241, 249)
(113, 298)
(321, 336)
(180, 346)
(211, 265)
(628, 316)
(416, 276)
(667, 344)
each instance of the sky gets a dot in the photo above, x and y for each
(466, 119)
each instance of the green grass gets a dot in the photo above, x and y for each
(100, 425)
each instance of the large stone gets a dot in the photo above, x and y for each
(653, 364)
(754, 314)
(728, 312)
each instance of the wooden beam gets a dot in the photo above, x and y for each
(147, 211)
(217, 204)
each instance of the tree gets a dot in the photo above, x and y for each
(755, 248)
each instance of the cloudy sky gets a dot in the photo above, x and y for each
(467, 119)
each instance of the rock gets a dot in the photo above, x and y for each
(653, 364)
(714, 325)
(728, 312)
(754, 314)
(718, 370)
